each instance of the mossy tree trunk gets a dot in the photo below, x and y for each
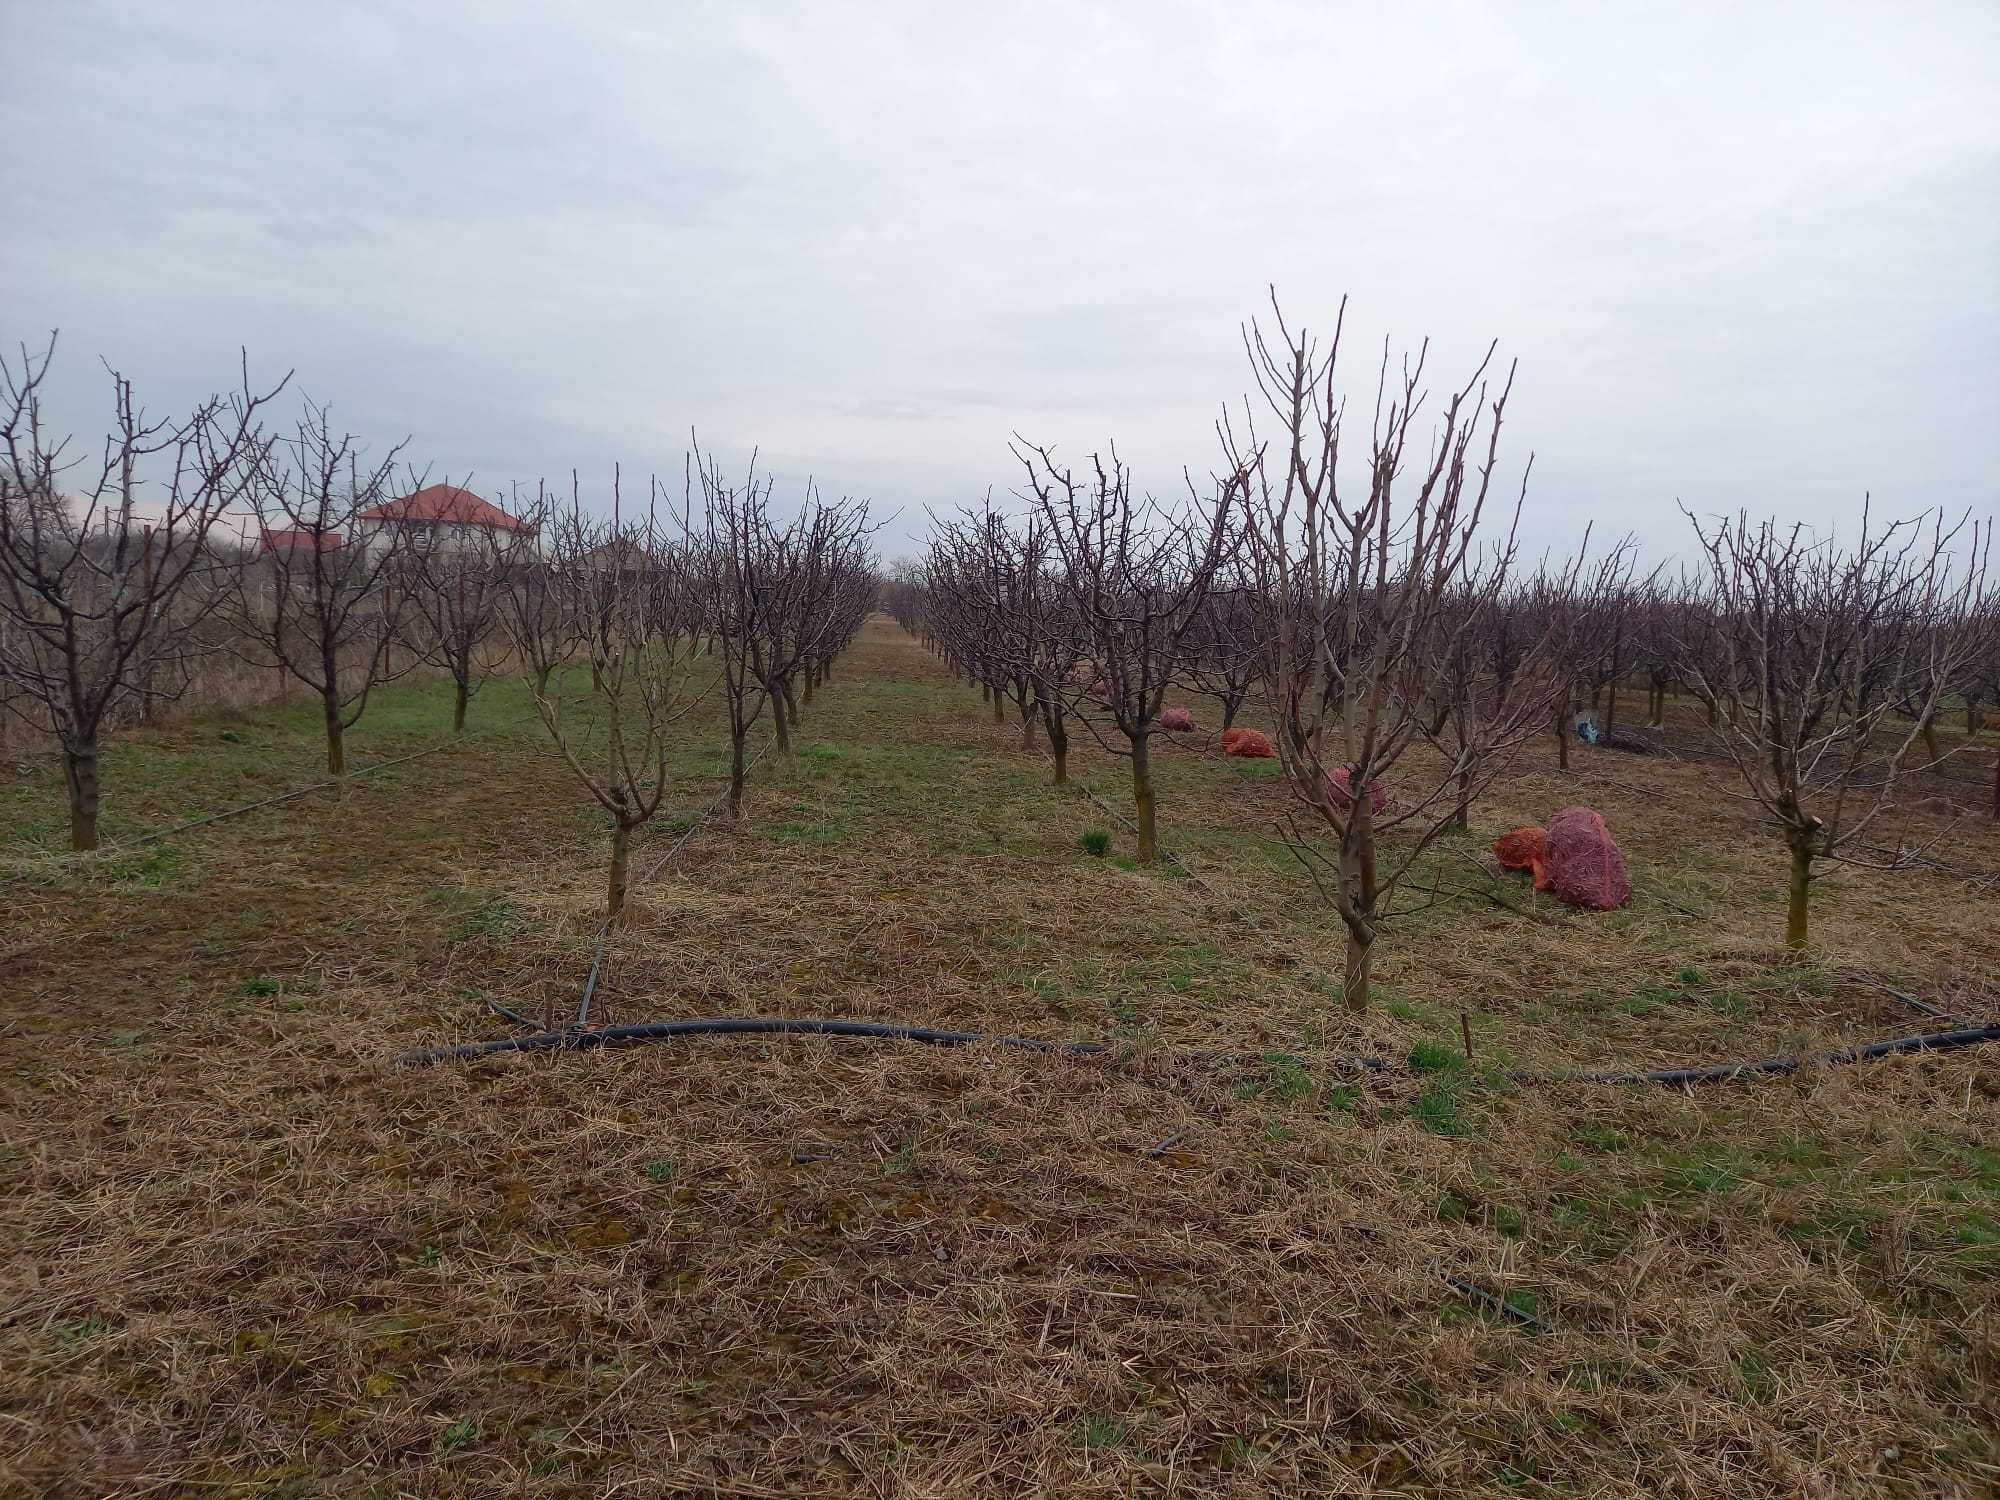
(1796, 912)
(781, 728)
(1142, 797)
(621, 852)
(81, 770)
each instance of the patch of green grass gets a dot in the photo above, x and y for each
(1343, 1098)
(1094, 841)
(157, 866)
(1981, 1230)
(1598, 1137)
(1100, 1431)
(1715, 1169)
(1436, 1110)
(1402, 1010)
(1755, 1378)
(80, 1330)
(474, 914)
(1434, 1057)
(1290, 1082)
(428, 1255)
(458, 1434)
(905, 1159)
(259, 985)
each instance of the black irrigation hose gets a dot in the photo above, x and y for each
(655, 1031)
(1936, 1041)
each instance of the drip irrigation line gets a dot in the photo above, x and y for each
(291, 796)
(1935, 1041)
(656, 1031)
(1914, 1003)
(1494, 1302)
(248, 807)
(507, 1014)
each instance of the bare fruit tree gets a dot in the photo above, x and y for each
(1816, 645)
(1135, 573)
(777, 596)
(1382, 597)
(614, 585)
(104, 590)
(324, 592)
(462, 575)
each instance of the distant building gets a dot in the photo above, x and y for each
(443, 517)
(287, 542)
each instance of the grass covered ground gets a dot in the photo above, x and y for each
(248, 1257)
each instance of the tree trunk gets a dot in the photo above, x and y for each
(1462, 814)
(1973, 718)
(779, 727)
(1354, 984)
(1142, 794)
(736, 778)
(1029, 719)
(1714, 713)
(791, 703)
(809, 687)
(1795, 912)
(621, 849)
(999, 706)
(1061, 753)
(80, 775)
(1562, 738)
(458, 708)
(336, 750)
(1229, 707)
(1929, 731)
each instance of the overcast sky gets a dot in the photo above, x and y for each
(1745, 254)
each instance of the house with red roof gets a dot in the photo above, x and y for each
(442, 517)
(270, 540)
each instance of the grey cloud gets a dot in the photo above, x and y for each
(1744, 255)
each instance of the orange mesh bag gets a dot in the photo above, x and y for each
(1247, 743)
(1524, 849)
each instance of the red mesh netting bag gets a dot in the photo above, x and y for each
(1585, 867)
(1340, 793)
(1247, 743)
(1525, 849)
(1177, 719)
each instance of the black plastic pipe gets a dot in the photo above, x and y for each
(1936, 1041)
(656, 1031)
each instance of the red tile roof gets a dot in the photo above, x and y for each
(443, 505)
(300, 541)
